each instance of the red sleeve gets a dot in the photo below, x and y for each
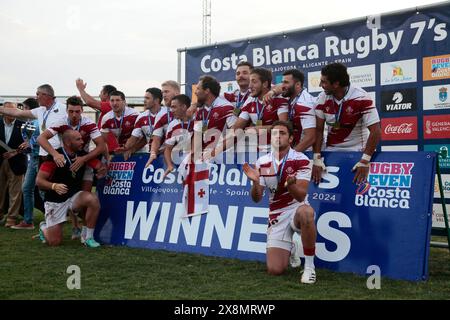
(48, 166)
(93, 163)
(61, 129)
(230, 96)
(105, 107)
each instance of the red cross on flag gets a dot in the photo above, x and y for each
(196, 189)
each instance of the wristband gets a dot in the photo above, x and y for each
(316, 156)
(53, 186)
(319, 163)
(360, 164)
(366, 157)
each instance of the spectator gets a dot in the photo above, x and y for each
(49, 112)
(13, 165)
(30, 132)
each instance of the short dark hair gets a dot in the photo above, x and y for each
(183, 99)
(245, 63)
(211, 83)
(265, 75)
(117, 93)
(296, 74)
(336, 72)
(31, 103)
(74, 101)
(155, 92)
(107, 88)
(286, 124)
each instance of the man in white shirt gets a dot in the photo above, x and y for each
(48, 114)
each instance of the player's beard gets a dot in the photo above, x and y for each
(289, 93)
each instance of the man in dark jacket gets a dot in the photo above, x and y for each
(13, 165)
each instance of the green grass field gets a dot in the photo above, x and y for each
(31, 270)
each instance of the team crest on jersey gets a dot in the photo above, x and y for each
(327, 109)
(127, 123)
(290, 170)
(269, 107)
(82, 132)
(253, 110)
(349, 110)
(215, 115)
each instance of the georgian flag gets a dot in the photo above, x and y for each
(196, 187)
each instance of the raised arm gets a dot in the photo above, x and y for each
(88, 99)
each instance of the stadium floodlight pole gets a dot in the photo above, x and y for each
(179, 66)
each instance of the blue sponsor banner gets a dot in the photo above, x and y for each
(408, 50)
(386, 223)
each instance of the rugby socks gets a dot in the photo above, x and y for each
(89, 233)
(309, 257)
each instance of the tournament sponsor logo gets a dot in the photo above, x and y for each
(396, 72)
(404, 128)
(436, 127)
(314, 81)
(120, 175)
(388, 186)
(438, 215)
(399, 100)
(362, 76)
(228, 86)
(436, 97)
(443, 153)
(436, 68)
(445, 178)
(400, 148)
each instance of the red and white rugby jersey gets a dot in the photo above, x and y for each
(161, 122)
(301, 114)
(280, 200)
(121, 126)
(87, 128)
(177, 131)
(268, 114)
(237, 98)
(145, 123)
(358, 112)
(219, 116)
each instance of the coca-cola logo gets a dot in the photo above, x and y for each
(404, 128)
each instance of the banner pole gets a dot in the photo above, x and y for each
(441, 192)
